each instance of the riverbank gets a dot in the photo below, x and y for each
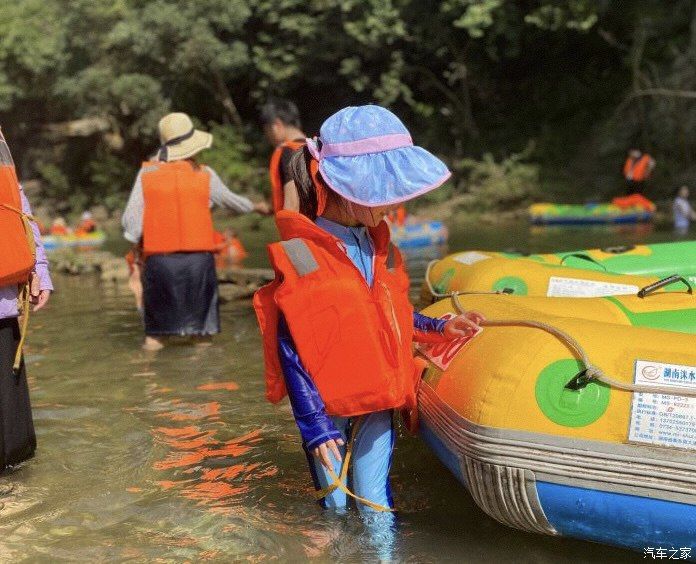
(235, 282)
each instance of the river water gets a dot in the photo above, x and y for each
(175, 456)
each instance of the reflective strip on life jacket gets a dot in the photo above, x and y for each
(177, 214)
(277, 194)
(300, 256)
(354, 340)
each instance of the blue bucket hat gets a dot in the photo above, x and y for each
(366, 155)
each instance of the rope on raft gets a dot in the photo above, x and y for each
(588, 374)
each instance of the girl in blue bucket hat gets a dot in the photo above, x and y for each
(336, 322)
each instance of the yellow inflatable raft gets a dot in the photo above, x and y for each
(667, 311)
(567, 426)
(529, 278)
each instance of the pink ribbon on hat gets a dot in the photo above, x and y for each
(366, 146)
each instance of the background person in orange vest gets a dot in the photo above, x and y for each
(337, 323)
(637, 170)
(168, 214)
(59, 227)
(19, 272)
(87, 224)
(282, 128)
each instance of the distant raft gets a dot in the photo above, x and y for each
(586, 273)
(420, 234)
(543, 448)
(588, 214)
(88, 240)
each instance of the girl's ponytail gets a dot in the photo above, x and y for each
(310, 196)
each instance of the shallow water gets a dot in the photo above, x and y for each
(176, 455)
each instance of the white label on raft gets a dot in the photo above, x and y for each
(442, 354)
(660, 419)
(471, 257)
(578, 288)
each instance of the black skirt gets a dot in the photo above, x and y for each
(17, 437)
(180, 295)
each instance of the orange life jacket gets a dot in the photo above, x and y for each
(634, 201)
(59, 230)
(177, 214)
(354, 341)
(229, 251)
(86, 227)
(637, 169)
(17, 250)
(398, 216)
(277, 194)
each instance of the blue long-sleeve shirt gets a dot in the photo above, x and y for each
(315, 426)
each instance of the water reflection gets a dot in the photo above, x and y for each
(178, 457)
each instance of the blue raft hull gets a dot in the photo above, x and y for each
(627, 521)
(419, 235)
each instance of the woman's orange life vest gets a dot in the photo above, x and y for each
(277, 194)
(17, 256)
(177, 214)
(353, 340)
(638, 169)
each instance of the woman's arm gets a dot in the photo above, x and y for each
(307, 406)
(132, 220)
(45, 286)
(221, 195)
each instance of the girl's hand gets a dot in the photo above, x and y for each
(40, 300)
(323, 451)
(463, 325)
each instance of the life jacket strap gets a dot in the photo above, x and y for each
(339, 481)
(391, 257)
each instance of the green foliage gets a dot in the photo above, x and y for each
(471, 78)
(507, 184)
(234, 161)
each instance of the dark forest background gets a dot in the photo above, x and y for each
(525, 99)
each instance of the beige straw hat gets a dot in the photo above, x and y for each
(179, 138)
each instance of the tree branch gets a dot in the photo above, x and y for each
(226, 101)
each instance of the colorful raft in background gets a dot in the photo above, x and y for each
(587, 273)
(419, 234)
(89, 240)
(595, 463)
(588, 214)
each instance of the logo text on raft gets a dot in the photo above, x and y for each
(650, 372)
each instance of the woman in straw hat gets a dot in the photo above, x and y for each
(168, 217)
(337, 324)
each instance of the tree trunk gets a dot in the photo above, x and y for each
(223, 93)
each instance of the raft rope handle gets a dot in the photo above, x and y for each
(583, 256)
(436, 294)
(590, 372)
(650, 288)
(25, 289)
(339, 481)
